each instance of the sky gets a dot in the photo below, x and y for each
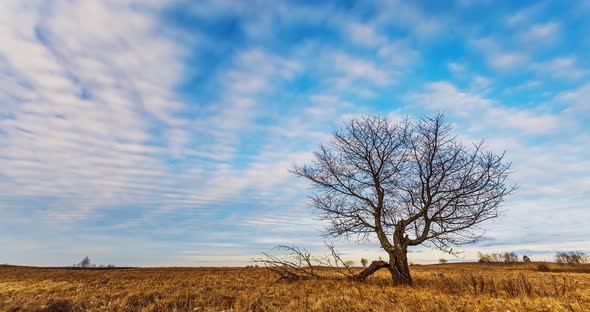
(160, 133)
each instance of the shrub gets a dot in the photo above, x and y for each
(364, 262)
(542, 267)
(442, 261)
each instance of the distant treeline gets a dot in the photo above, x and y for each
(562, 257)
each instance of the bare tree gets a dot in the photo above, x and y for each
(407, 184)
(85, 263)
(571, 257)
(510, 257)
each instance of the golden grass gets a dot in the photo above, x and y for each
(449, 287)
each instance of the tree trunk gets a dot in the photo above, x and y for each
(398, 260)
(400, 271)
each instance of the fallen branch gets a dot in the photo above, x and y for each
(296, 264)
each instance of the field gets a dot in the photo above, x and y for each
(448, 287)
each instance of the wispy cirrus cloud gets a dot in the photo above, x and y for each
(93, 101)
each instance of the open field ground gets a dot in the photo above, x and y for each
(448, 287)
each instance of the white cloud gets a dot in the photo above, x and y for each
(577, 99)
(480, 84)
(254, 73)
(356, 68)
(498, 57)
(456, 68)
(445, 96)
(326, 105)
(560, 67)
(507, 60)
(526, 86)
(525, 15)
(401, 13)
(542, 32)
(398, 53)
(531, 84)
(364, 34)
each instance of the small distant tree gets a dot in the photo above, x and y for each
(526, 259)
(484, 258)
(510, 257)
(442, 261)
(493, 257)
(349, 263)
(364, 262)
(571, 257)
(561, 257)
(85, 263)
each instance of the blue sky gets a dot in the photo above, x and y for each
(161, 132)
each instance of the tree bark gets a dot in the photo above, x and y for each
(399, 268)
(398, 258)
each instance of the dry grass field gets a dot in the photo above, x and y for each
(448, 287)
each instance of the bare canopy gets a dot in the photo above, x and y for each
(405, 183)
